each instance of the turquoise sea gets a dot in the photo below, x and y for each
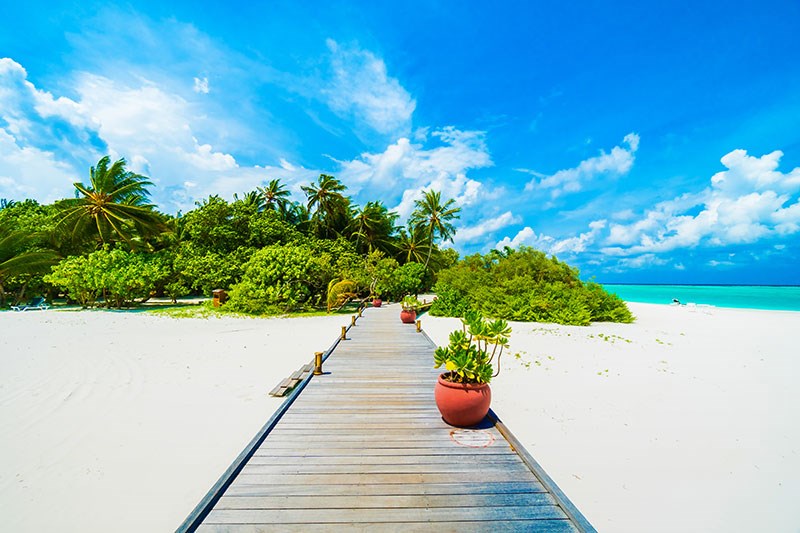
(739, 296)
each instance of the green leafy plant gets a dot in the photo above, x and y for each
(527, 286)
(473, 349)
(410, 303)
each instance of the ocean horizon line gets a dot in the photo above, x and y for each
(699, 284)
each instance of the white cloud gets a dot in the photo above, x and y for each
(285, 165)
(571, 245)
(28, 172)
(402, 171)
(362, 89)
(745, 203)
(571, 180)
(468, 234)
(155, 129)
(201, 85)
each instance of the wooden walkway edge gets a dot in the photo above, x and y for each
(363, 447)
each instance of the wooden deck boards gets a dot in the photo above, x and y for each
(363, 448)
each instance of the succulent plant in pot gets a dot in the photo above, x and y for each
(409, 313)
(462, 393)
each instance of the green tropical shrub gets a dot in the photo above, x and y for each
(117, 276)
(405, 279)
(282, 278)
(524, 285)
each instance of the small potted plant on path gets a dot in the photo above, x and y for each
(409, 313)
(376, 300)
(462, 393)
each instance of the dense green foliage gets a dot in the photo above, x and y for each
(118, 277)
(109, 246)
(524, 285)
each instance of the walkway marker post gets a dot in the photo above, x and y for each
(318, 363)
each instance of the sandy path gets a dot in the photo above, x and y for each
(122, 421)
(684, 421)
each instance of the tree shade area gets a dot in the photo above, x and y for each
(109, 247)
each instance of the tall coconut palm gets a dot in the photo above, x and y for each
(112, 207)
(331, 208)
(373, 225)
(434, 217)
(252, 199)
(276, 196)
(413, 245)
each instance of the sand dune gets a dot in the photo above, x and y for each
(684, 421)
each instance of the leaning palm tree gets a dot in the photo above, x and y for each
(434, 217)
(17, 259)
(275, 195)
(112, 207)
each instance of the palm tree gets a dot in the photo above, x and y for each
(374, 225)
(252, 199)
(332, 211)
(112, 207)
(16, 258)
(276, 196)
(413, 245)
(434, 217)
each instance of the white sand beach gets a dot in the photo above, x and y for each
(122, 421)
(683, 421)
(686, 420)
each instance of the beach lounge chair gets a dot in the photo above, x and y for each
(35, 303)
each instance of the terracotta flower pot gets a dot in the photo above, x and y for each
(376, 302)
(462, 404)
(408, 317)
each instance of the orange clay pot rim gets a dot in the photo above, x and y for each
(451, 385)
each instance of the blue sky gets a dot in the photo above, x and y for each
(639, 142)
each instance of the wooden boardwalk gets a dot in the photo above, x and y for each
(364, 448)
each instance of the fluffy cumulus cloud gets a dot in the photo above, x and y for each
(362, 89)
(749, 201)
(439, 160)
(615, 163)
(488, 226)
(48, 142)
(566, 246)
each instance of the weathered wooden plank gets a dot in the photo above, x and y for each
(355, 459)
(278, 391)
(383, 501)
(498, 526)
(335, 516)
(242, 488)
(442, 467)
(321, 479)
(277, 451)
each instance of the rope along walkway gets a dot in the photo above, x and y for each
(363, 447)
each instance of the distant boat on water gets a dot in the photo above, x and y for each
(779, 298)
